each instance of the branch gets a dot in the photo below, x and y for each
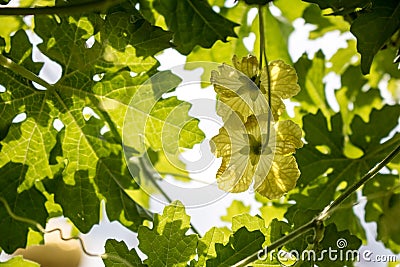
(323, 215)
(60, 10)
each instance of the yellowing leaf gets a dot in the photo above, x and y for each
(288, 137)
(237, 92)
(281, 177)
(252, 146)
(246, 157)
(283, 85)
(248, 65)
(241, 148)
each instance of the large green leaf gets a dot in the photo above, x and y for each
(326, 170)
(241, 244)
(312, 94)
(206, 246)
(28, 204)
(381, 22)
(313, 15)
(167, 244)
(372, 22)
(223, 51)
(96, 76)
(194, 23)
(116, 251)
(322, 161)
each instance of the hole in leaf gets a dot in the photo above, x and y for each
(216, 9)
(132, 74)
(19, 118)
(2, 89)
(90, 42)
(276, 12)
(249, 41)
(251, 15)
(324, 149)
(230, 4)
(104, 130)
(39, 87)
(137, 6)
(88, 113)
(58, 124)
(97, 77)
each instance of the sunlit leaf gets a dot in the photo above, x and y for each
(166, 243)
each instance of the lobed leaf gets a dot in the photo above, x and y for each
(118, 255)
(166, 243)
(194, 23)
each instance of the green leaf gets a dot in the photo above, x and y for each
(383, 201)
(381, 22)
(206, 245)
(146, 38)
(325, 169)
(277, 33)
(194, 23)
(290, 13)
(18, 261)
(344, 57)
(156, 122)
(118, 255)
(343, 242)
(310, 78)
(251, 223)
(313, 15)
(351, 93)
(241, 244)
(236, 208)
(223, 51)
(80, 202)
(167, 244)
(28, 204)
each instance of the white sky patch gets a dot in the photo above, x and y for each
(249, 41)
(58, 124)
(19, 118)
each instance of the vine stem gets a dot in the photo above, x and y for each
(60, 10)
(321, 217)
(263, 55)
